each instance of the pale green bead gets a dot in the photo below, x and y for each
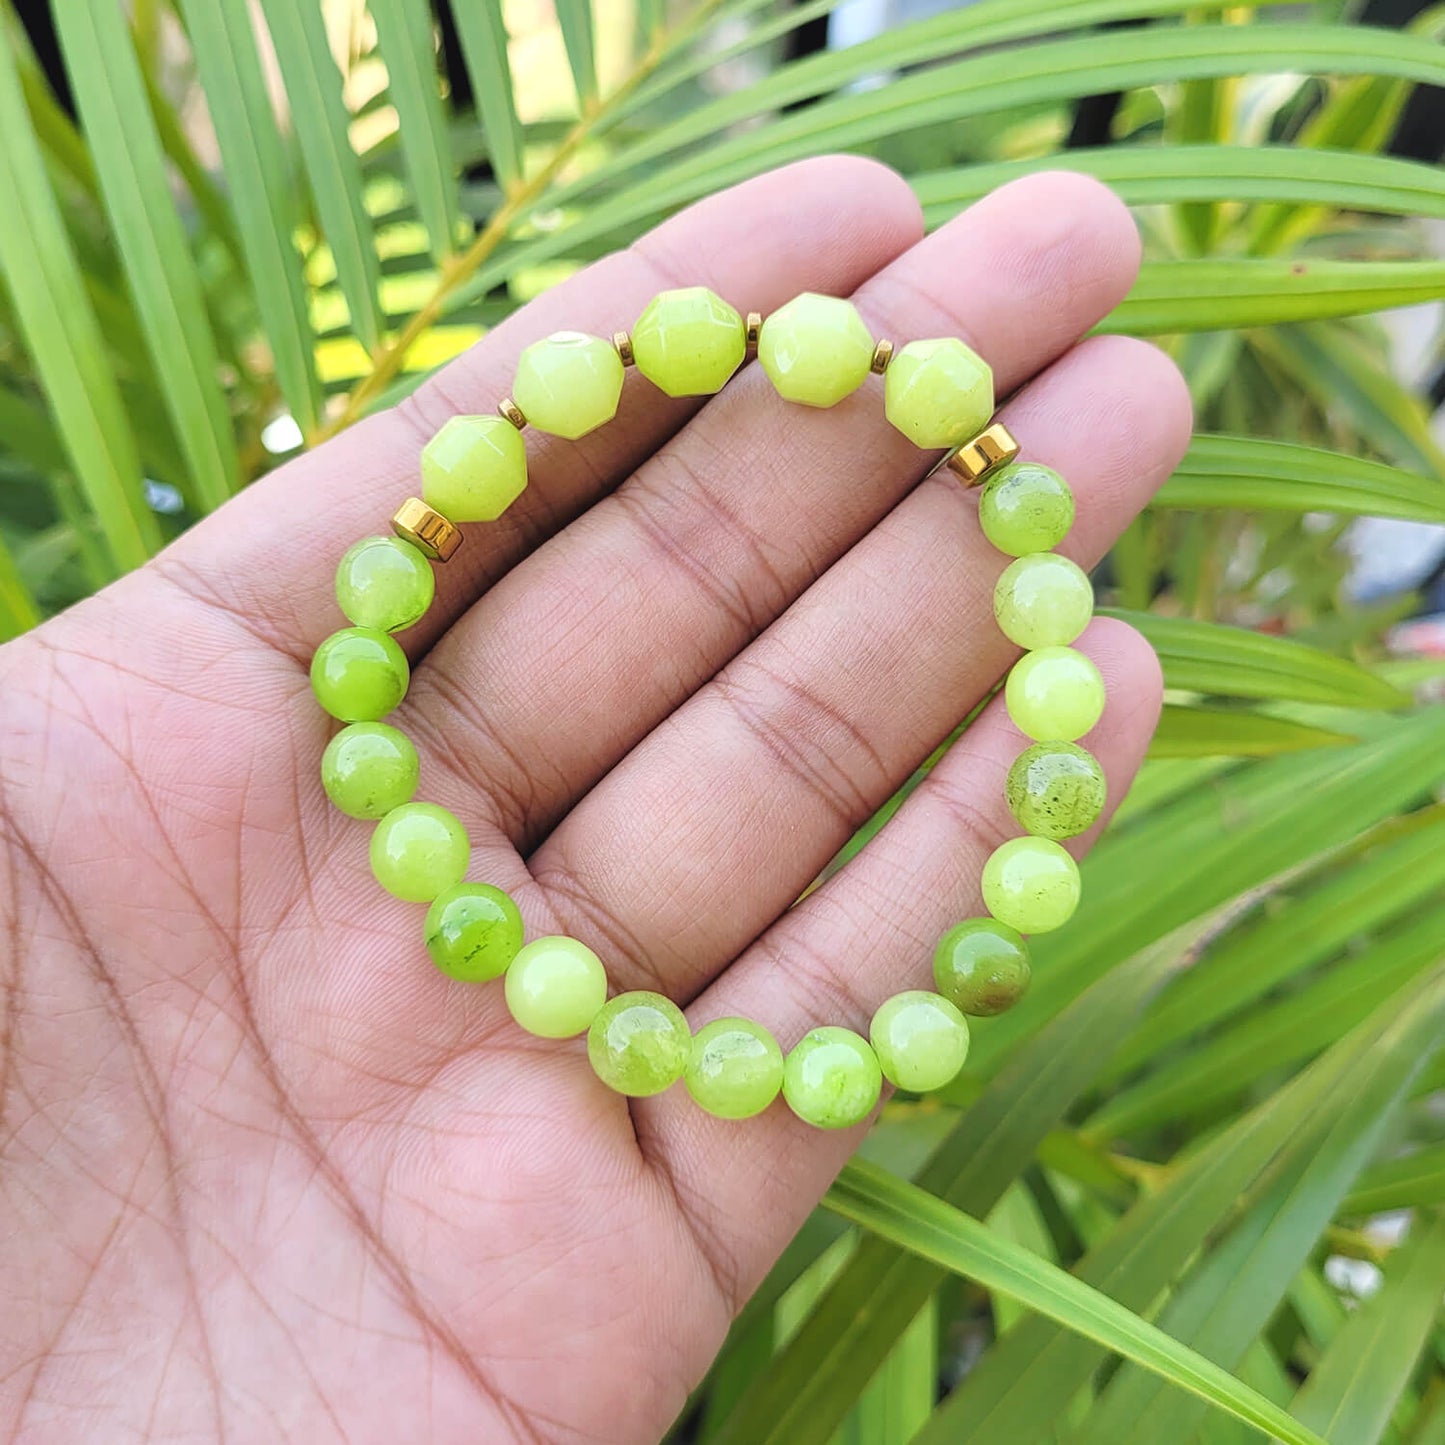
(815, 349)
(982, 966)
(555, 986)
(921, 1040)
(384, 582)
(1043, 600)
(368, 769)
(689, 342)
(1054, 694)
(1056, 790)
(1031, 884)
(419, 850)
(473, 932)
(831, 1078)
(638, 1044)
(568, 383)
(938, 393)
(474, 468)
(359, 674)
(735, 1068)
(1025, 507)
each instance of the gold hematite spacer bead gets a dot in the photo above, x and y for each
(425, 528)
(622, 341)
(512, 412)
(976, 458)
(882, 355)
(754, 329)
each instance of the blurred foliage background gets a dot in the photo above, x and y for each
(1198, 1179)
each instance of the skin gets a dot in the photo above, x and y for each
(264, 1173)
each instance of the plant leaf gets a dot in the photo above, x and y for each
(1402, 1183)
(575, 18)
(1207, 732)
(482, 31)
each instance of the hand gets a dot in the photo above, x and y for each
(266, 1174)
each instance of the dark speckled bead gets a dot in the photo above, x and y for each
(1056, 790)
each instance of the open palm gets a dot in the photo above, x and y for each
(266, 1174)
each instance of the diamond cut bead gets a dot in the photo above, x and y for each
(568, 383)
(474, 468)
(816, 349)
(938, 393)
(688, 342)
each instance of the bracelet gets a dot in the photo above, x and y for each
(816, 350)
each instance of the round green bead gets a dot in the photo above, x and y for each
(815, 349)
(1043, 600)
(921, 1040)
(639, 1043)
(1031, 884)
(1056, 790)
(982, 966)
(568, 383)
(734, 1069)
(368, 769)
(938, 393)
(555, 986)
(384, 582)
(831, 1078)
(1053, 694)
(473, 932)
(474, 468)
(688, 342)
(1025, 507)
(359, 674)
(419, 850)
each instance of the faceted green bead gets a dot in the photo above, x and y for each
(921, 1040)
(689, 342)
(474, 468)
(1025, 507)
(1053, 694)
(473, 932)
(568, 383)
(368, 769)
(639, 1043)
(419, 850)
(815, 349)
(384, 582)
(938, 393)
(1031, 884)
(1056, 790)
(359, 674)
(1043, 600)
(735, 1068)
(831, 1078)
(555, 987)
(982, 966)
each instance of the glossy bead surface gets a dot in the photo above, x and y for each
(982, 966)
(938, 393)
(385, 583)
(568, 383)
(921, 1040)
(419, 850)
(1031, 884)
(1025, 507)
(815, 349)
(474, 468)
(638, 1044)
(1043, 600)
(368, 769)
(359, 674)
(831, 1078)
(688, 342)
(1056, 790)
(555, 986)
(1054, 694)
(473, 932)
(734, 1068)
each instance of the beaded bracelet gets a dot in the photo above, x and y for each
(815, 350)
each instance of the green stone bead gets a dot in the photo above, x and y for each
(735, 1068)
(418, 851)
(359, 674)
(1043, 600)
(639, 1043)
(831, 1078)
(555, 987)
(1031, 884)
(385, 583)
(1056, 790)
(473, 932)
(568, 383)
(474, 468)
(815, 349)
(689, 342)
(1025, 507)
(938, 393)
(1054, 694)
(921, 1040)
(982, 966)
(368, 769)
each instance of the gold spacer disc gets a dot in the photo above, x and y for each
(754, 330)
(426, 529)
(882, 355)
(622, 341)
(512, 412)
(976, 458)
